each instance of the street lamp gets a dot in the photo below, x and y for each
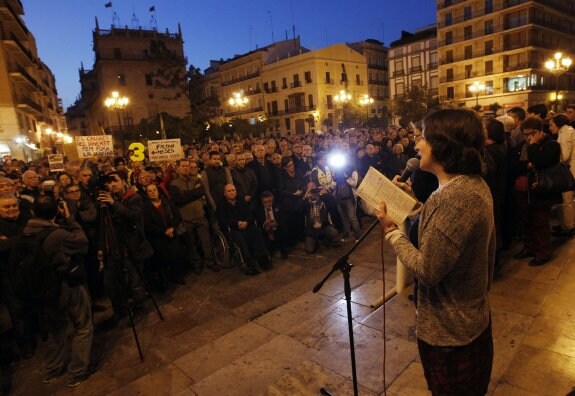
(238, 99)
(117, 103)
(476, 88)
(342, 97)
(366, 101)
(557, 66)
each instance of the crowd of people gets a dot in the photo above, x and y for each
(118, 228)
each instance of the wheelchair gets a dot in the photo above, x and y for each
(227, 254)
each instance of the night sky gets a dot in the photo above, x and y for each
(214, 29)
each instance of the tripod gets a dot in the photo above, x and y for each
(116, 253)
(344, 266)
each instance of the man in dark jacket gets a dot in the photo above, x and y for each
(234, 216)
(188, 193)
(245, 180)
(12, 222)
(122, 218)
(264, 170)
(65, 247)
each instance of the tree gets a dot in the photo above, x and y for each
(171, 70)
(414, 105)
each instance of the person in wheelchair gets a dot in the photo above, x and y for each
(318, 225)
(235, 218)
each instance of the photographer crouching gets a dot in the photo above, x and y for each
(122, 244)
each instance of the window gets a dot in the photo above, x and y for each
(489, 47)
(468, 70)
(149, 79)
(518, 83)
(329, 100)
(449, 56)
(468, 52)
(274, 88)
(286, 105)
(467, 13)
(488, 6)
(275, 107)
(489, 87)
(398, 68)
(489, 27)
(343, 77)
(416, 82)
(434, 82)
(448, 38)
(296, 82)
(415, 64)
(357, 80)
(489, 67)
(121, 79)
(449, 75)
(448, 19)
(450, 93)
(515, 19)
(117, 53)
(288, 124)
(399, 89)
(310, 102)
(467, 33)
(266, 87)
(284, 83)
(328, 78)
(307, 77)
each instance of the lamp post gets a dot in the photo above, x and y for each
(238, 99)
(366, 101)
(557, 66)
(342, 97)
(117, 103)
(476, 88)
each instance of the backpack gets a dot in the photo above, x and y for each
(33, 277)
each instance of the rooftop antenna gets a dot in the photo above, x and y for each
(272, 25)
(292, 20)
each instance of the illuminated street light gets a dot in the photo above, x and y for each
(557, 66)
(366, 101)
(117, 103)
(238, 99)
(342, 97)
(477, 88)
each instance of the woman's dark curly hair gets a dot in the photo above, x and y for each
(456, 137)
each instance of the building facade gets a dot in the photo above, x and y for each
(291, 88)
(145, 66)
(501, 46)
(31, 115)
(413, 62)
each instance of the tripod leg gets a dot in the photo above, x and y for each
(138, 271)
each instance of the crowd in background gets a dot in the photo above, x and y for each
(145, 224)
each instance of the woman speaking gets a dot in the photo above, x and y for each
(455, 258)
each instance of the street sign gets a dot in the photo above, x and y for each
(164, 150)
(94, 146)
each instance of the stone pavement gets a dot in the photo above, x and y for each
(228, 334)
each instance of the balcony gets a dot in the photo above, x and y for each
(16, 45)
(415, 69)
(359, 82)
(377, 82)
(295, 84)
(244, 111)
(377, 67)
(253, 92)
(22, 75)
(28, 105)
(522, 66)
(240, 79)
(433, 65)
(398, 73)
(293, 110)
(12, 14)
(308, 81)
(329, 81)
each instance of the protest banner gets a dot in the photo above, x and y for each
(94, 146)
(56, 162)
(164, 150)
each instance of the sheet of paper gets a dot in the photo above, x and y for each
(375, 188)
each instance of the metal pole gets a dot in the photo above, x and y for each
(557, 92)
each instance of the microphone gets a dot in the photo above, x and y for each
(411, 166)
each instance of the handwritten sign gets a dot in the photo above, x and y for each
(164, 150)
(94, 146)
(56, 162)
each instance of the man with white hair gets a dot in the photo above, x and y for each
(31, 182)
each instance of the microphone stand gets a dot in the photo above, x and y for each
(344, 266)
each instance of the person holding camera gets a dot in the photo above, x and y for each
(122, 208)
(318, 225)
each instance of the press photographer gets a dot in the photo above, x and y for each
(122, 241)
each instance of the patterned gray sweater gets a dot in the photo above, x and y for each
(454, 263)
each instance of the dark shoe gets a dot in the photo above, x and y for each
(213, 267)
(538, 261)
(523, 254)
(563, 233)
(252, 271)
(53, 375)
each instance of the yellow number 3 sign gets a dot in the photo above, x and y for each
(138, 149)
